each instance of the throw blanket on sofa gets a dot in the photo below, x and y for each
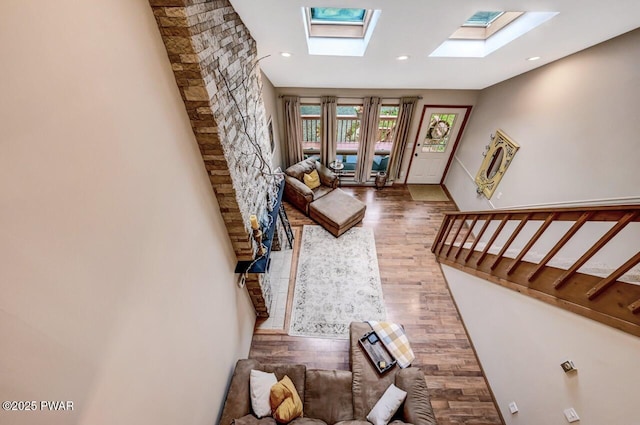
(396, 341)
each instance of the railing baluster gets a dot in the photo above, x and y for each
(445, 235)
(513, 236)
(473, 223)
(493, 238)
(532, 241)
(482, 230)
(562, 242)
(613, 277)
(622, 223)
(436, 241)
(455, 236)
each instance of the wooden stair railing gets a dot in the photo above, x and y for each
(607, 300)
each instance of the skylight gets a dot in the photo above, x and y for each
(476, 41)
(482, 19)
(334, 31)
(333, 15)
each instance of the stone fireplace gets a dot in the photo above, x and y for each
(216, 68)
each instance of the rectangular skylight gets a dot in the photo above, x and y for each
(334, 31)
(482, 19)
(461, 45)
(333, 15)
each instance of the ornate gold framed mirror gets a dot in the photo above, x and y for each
(496, 161)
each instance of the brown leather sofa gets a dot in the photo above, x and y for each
(296, 192)
(339, 397)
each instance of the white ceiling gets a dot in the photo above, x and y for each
(416, 28)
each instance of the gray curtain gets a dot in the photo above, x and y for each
(292, 130)
(328, 130)
(367, 140)
(407, 105)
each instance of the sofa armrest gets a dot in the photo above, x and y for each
(298, 193)
(417, 408)
(238, 402)
(327, 177)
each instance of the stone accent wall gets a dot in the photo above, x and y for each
(214, 60)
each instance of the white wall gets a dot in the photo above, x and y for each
(117, 282)
(576, 123)
(521, 343)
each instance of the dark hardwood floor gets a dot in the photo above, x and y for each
(416, 295)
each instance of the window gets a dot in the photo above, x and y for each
(348, 117)
(482, 19)
(384, 139)
(337, 22)
(482, 25)
(335, 14)
(335, 31)
(348, 121)
(310, 114)
(474, 38)
(438, 133)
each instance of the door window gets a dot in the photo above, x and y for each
(439, 132)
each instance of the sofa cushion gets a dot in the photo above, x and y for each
(387, 406)
(285, 402)
(417, 406)
(295, 372)
(354, 422)
(321, 191)
(328, 395)
(238, 402)
(307, 421)
(301, 168)
(260, 384)
(252, 420)
(312, 179)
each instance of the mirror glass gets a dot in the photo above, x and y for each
(496, 162)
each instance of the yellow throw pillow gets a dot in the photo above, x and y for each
(312, 180)
(285, 401)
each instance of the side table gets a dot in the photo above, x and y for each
(337, 168)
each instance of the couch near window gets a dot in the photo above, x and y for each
(298, 193)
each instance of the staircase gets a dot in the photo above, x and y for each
(580, 259)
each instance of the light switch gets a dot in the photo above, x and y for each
(513, 407)
(571, 415)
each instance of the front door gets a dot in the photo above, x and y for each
(436, 141)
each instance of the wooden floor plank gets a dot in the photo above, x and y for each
(416, 295)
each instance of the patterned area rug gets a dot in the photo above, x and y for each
(338, 282)
(427, 192)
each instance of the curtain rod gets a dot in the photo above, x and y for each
(348, 97)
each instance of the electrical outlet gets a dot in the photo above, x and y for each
(513, 407)
(571, 415)
(568, 366)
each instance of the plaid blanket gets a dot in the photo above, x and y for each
(394, 338)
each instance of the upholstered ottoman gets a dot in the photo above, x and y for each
(337, 211)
